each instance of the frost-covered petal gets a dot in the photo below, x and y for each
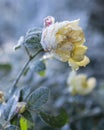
(84, 62)
(91, 83)
(63, 51)
(75, 65)
(78, 53)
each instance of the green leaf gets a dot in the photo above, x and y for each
(38, 98)
(23, 123)
(39, 67)
(55, 121)
(10, 107)
(34, 30)
(12, 127)
(5, 68)
(42, 73)
(19, 44)
(25, 93)
(26, 121)
(32, 39)
(15, 120)
(28, 116)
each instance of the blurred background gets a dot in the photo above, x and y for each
(16, 17)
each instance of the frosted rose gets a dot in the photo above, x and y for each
(65, 41)
(79, 84)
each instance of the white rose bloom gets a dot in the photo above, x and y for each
(79, 84)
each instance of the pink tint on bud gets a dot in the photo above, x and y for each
(49, 21)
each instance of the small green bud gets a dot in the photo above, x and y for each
(21, 107)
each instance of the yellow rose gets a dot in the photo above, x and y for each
(65, 41)
(79, 84)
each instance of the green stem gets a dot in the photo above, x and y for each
(23, 69)
(21, 72)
